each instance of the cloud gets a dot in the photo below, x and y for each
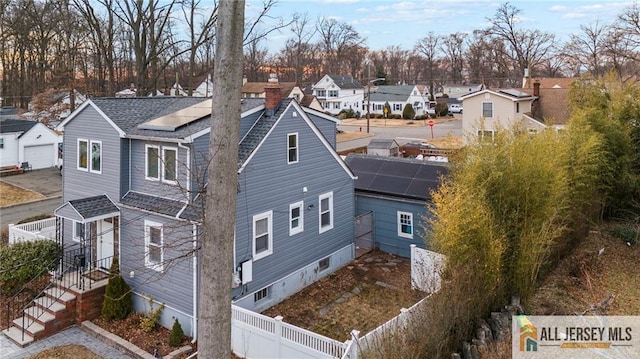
(558, 8)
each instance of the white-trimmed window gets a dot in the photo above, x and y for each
(169, 164)
(296, 218)
(262, 235)
(487, 109)
(83, 154)
(405, 224)
(321, 93)
(517, 107)
(324, 264)
(78, 231)
(153, 245)
(1, 142)
(152, 162)
(261, 295)
(292, 147)
(485, 135)
(333, 93)
(96, 156)
(397, 107)
(325, 211)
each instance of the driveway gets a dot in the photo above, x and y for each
(47, 182)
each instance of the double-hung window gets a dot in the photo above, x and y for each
(296, 218)
(487, 109)
(169, 164)
(325, 211)
(78, 231)
(83, 154)
(405, 224)
(333, 93)
(397, 107)
(96, 156)
(152, 163)
(154, 245)
(292, 148)
(262, 235)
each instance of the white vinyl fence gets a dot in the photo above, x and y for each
(426, 267)
(33, 231)
(254, 335)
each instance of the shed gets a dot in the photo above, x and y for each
(397, 192)
(383, 147)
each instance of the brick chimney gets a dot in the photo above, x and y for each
(272, 94)
(536, 88)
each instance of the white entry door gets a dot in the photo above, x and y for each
(105, 243)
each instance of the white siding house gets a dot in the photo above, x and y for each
(339, 92)
(28, 141)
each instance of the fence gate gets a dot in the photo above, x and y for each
(364, 233)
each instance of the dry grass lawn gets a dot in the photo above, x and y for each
(10, 194)
(357, 296)
(71, 351)
(351, 135)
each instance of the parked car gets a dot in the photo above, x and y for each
(455, 108)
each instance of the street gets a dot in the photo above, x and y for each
(401, 134)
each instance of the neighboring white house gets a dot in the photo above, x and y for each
(339, 92)
(487, 111)
(28, 141)
(205, 89)
(398, 97)
(459, 90)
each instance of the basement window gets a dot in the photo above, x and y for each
(261, 295)
(323, 264)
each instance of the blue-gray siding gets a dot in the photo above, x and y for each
(327, 127)
(174, 285)
(157, 187)
(268, 183)
(385, 219)
(89, 125)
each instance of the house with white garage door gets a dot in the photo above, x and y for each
(28, 141)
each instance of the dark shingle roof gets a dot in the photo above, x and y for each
(9, 125)
(392, 93)
(128, 112)
(345, 82)
(398, 177)
(260, 129)
(155, 204)
(94, 206)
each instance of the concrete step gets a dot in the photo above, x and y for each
(40, 315)
(55, 294)
(48, 304)
(33, 328)
(15, 334)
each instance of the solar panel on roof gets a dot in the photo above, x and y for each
(390, 184)
(369, 165)
(401, 169)
(515, 93)
(174, 120)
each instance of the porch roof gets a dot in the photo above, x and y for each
(164, 206)
(88, 209)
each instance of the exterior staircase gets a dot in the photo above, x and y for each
(49, 314)
(72, 298)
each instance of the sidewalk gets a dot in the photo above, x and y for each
(72, 335)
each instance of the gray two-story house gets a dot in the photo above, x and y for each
(134, 188)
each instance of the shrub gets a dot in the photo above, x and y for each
(624, 233)
(177, 334)
(442, 109)
(347, 114)
(117, 297)
(150, 319)
(24, 261)
(408, 112)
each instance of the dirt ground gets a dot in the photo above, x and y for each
(362, 296)
(10, 194)
(66, 352)
(393, 122)
(602, 269)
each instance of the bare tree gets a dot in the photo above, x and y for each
(588, 49)
(428, 48)
(254, 58)
(453, 47)
(336, 39)
(214, 307)
(527, 48)
(198, 36)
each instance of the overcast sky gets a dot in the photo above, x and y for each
(385, 23)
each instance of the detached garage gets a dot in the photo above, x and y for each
(28, 141)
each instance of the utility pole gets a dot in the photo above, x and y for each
(369, 98)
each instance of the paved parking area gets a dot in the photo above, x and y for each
(46, 181)
(72, 335)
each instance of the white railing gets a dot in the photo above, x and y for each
(254, 335)
(33, 231)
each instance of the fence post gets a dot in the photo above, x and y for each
(278, 333)
(355, 344)
(404, 316)
(414, 267)
(11, 233)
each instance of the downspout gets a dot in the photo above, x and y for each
(188, 165)
(194, 321)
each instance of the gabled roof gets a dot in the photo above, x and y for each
(382, 143)
(345, 82)
(92, 208)
(394, 176)
(392, 93)
(552, 105)
(11, 125)
(548, 82)
(511, 94)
